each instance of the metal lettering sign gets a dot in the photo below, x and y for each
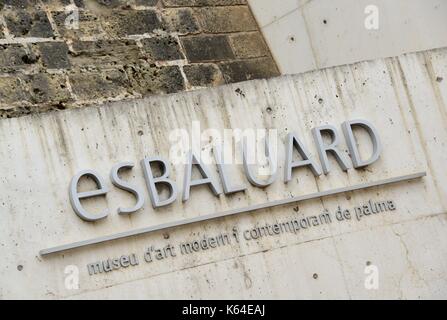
(193, 160)
(157, 175)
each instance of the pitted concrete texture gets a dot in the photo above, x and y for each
(406, 248)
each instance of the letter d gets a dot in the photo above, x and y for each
(352, 144)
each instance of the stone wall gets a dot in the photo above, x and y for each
(59, 54)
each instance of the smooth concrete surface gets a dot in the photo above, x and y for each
(307, 35)
(403, 97)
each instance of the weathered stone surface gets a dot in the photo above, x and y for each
(226, 19)
(29, 23)
(203, 75)
(181, 20)
(205, 3)
(146, 3)
(207, 48)
(131, 22)
(114, 49)
(248, 45)
(54, 54)
(61, 4)
(47, 88)
(19, 4)
(116, 4)
(87, 25)
(149, 79)
(41, 88)
(243, 70)
(110, 3)
(88, 85)
(12, 90)
(104, 52)
(162, 48)
(13, 57)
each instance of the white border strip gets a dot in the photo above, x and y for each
(227, 213)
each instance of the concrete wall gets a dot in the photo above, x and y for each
(59, 54)
(404, 97)
(313, 34)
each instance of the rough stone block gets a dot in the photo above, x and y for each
(203, 75)
(12, 90)
(61, 4)
(14, 56)
(131, 22)
(54, 55)
(117, 4)
(146, 3)
(28, 23)
(20, 4)
(248, 45)
(47, 88)
(207, 48)
(104, 52)
(87, 25)
(149, 79)
(162, 48)
(205, 3)
(243, 70)
(103, 84)
(181, 20)
(226, 19)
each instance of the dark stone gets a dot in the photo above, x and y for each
(162, 48)
(115, 4)
(104, 52)
(203, 75)
(226, 19)
(131, 22)
(204, 3)
(12, 90)
(148, 80)
(47, 88)
(42, 89)
(181, 20)
(54, 54)
(20, 4)
(248, 45)
(30, 58)
(99, 84)
(243, 70)
(207, 48)
(62, 4)
(146, 3)
(12, 57)
(79, 3)
(23, 23)
(88, 24)
(110, 3)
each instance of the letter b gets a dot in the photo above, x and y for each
(152, 181)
